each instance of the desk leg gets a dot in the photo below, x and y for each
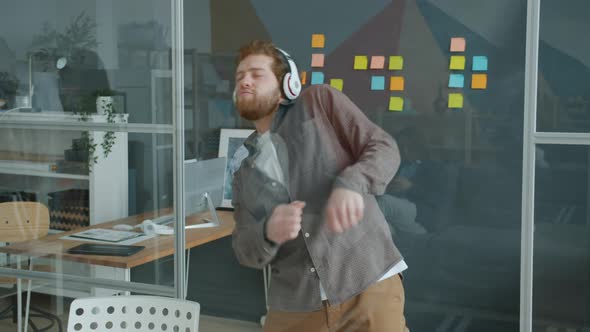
(127, 278)
(266, 276)
(59, 292)
(19, 299)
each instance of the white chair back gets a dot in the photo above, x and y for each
(133, 313)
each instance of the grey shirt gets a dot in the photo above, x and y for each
(322, 141)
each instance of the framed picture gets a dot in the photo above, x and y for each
(231, 145)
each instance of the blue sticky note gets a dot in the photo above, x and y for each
(456, 81)
(480, 63)
(377, 82)
(317, 77)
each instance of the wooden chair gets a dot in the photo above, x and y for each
(133, 313)
(19, 222)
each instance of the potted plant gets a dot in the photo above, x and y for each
(100, 102)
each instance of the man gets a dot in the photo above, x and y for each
(304, 202)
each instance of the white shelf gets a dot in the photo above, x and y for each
(10, 170)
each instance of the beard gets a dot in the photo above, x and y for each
(256, 107)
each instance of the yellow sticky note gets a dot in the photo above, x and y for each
(396, 104)
(457, 44)
(479, 81)
(317, 60)
(396, 83)
(455, 100)
(360, 62)
(396, 62)
(457, 62)
(337, 83)
(303, 77)
(377, 62)
(318, 40)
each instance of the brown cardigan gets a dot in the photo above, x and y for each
(322, 141)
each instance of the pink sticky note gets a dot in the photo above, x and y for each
(377, 62)
(457, 44)
(317, 60)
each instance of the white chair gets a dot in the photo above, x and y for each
(133, 313)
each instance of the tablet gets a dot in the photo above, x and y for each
(104, 249)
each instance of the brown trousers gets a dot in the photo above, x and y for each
(379, 308)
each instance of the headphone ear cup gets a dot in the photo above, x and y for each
(234, 97)
(286, 86)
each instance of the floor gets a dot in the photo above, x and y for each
(206, 323)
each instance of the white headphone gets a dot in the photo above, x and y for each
(149, 228)
(291, 85)
(291, 81)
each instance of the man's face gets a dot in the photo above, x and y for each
(257, 89)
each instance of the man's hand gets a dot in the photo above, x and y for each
(345, 208)
(285, 222)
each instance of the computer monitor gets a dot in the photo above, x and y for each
(203, 187)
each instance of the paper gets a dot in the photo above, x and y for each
(108, 235)
(317, 77)
(360, 62)
(455, 100)
(396, 83)
(396, 104)
(396, 62)
(317, 60)
(456, 81)
(480, 63)
(457, 62)
(318, 40)
(377, 82)
(479, 81)
(337, 83)
(457, 44)
(303, 77)
(377, 62)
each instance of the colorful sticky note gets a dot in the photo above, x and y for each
(360, 62)
(396, 104)
(317, 77)
(479, 81)
(457, 62)
(337, 83)
(303, 77)
(455, 100)
(377, 62)
(456, 81)
(396, 62)
(377, 82)
(317, 60)
(318, 40)
(457, 44)
(480, 63)
(396, 83)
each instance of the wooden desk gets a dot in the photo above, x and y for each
(157, 247)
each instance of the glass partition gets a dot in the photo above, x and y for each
(86, 118)
(561, 242)
(446, 79)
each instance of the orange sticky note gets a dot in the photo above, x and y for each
(396, 62)
(317, 60)
(318, 40)
(377, 62)
(457, 44)
(337, 83)
(303, 77)
(396, 83)
(455, 100)
(479, 81)
(360, 62)
(396, 104)
(457, 62)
